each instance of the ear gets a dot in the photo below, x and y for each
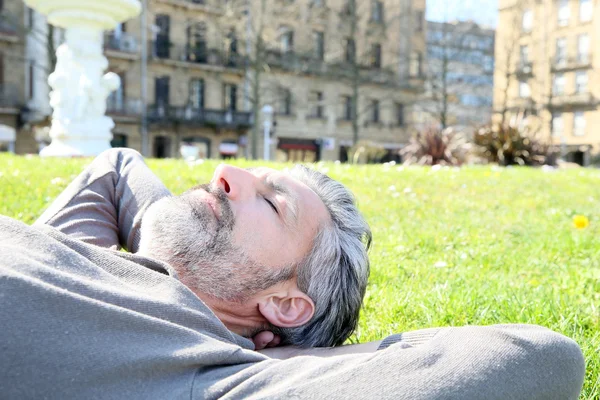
(287, 309)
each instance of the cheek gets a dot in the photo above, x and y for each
(257, 234)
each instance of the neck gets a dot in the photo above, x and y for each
(243, 319)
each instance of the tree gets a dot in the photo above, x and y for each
(377, 63)
(260, 55)
(457, 64)
(342, 56)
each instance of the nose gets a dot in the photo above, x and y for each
(237, 183)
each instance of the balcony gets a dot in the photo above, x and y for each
(585, 99)
(124, 109)
(194, 55)
(10, 96)
(124, 44)
(524, 70)
(521, 103)
(292, 61)
(209, 6)
(201, 117)
(582, 61)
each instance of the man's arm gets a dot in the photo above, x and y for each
(105, 203)
(473, 362)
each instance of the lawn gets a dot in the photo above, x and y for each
(476, 245)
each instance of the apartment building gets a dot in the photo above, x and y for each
(546, 70)
(460, 76)
(201, 85)
(12, 74)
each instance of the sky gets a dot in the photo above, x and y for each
(481, 11)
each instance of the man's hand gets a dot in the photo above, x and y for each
(265, 339)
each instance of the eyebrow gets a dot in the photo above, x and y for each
(292, 200)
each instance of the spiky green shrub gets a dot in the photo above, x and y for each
(513, 144)
(436, 147)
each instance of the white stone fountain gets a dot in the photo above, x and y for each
(79, 86)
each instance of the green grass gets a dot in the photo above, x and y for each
(476, 245)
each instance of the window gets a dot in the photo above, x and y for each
(285, 102)
(416, 59)
(583, 48)
(399, 108)
(30, 17)
(318, 3)
(488, 63)
(287, 39)
(586, 10)
(579, 123)
(561, 51)
(377, 11)
(564, 12)
(475, 101)
(316, 103)
(527, 22)
(350, 50)
(118, 140)
(196, 43)
(229, 97)
(419, 18)
(524, 89)
(197, 94)
(376, 56)
(31, 79)
(319, 38)
(581, 82)
(524, 55)
(375, 111)
(1, 68)
(162, 44)
(557, 124)
(161, 91)
(559, 84)
(116, 100)
(347, 111)
(233, 42)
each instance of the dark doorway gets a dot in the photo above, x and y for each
(577, 157)
(119, 140)
(162, 147)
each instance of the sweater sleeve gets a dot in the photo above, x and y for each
(105, 203)
(473, 362)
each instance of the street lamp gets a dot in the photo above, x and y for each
(267, 111)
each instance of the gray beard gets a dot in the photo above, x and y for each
(183, 232)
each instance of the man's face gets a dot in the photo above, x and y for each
(239, 234)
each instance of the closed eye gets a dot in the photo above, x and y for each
(272, 205)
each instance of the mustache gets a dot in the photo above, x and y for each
(227, 219)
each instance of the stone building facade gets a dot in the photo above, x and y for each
(546, 71)
(201, 87)
(13, 93)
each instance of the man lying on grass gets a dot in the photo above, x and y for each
(277, 257)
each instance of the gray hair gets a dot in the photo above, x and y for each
(335, 272)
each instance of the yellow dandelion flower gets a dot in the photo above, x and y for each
(581, 221)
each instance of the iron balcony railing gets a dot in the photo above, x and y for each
(582, 61)
(126, 107)
(122, 42)
(195, 54)
(198, 116)
(582, 99)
